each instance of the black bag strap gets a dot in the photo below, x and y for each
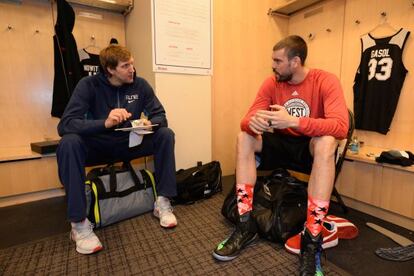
(138, 185)
(94, 173)
(134, 176)
(112, 170)
(112, 179)
(219, 180)
(146, 178)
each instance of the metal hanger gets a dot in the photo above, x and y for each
(92, 48)
(384, 28)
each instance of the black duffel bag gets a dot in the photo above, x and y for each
(279, 206)
(198, 182)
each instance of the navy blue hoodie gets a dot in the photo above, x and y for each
(94, 97)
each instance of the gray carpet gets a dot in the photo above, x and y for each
(139, 246)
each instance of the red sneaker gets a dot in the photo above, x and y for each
(329, 234)
(346, 229)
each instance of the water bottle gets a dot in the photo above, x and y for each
(354, 145)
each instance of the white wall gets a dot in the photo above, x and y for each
(186, 98)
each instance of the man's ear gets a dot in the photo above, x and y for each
(110, 71)
(296, 61)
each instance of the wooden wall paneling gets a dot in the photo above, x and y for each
(26, 64)
(324, 21)
(27, 68)
(399, 14)
(345, 179)
(352, 52)
(28, 176)
(243, 39)
(42, 73)
(112, 25)
(388, 188)
(397, 192)
(361, 181)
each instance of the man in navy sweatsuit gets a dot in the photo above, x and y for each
(100, 104)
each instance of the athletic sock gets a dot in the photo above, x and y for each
(317, 210)
(244, 194)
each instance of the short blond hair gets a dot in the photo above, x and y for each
(112, 55)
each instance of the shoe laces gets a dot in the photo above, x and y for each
(84, 229)
(164, 204)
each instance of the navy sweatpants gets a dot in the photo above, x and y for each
(75, 152)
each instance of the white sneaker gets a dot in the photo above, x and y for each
(86, 240)
(164, 211)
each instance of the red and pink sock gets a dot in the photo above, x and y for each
(244, 194)
(317, 210)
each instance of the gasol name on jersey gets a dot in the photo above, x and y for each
(380, 53)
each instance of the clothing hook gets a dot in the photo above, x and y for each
(311, 36)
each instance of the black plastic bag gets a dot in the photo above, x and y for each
(279, 206)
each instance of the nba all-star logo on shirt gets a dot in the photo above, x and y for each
(297, 107)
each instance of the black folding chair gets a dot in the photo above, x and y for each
(341, 158)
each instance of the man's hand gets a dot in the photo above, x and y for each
(116, 116)
(258, 123)
(278, 117)
(146, 122)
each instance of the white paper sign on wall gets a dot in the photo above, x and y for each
(182, 36)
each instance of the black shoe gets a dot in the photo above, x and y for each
(310, 254)
(231, 247)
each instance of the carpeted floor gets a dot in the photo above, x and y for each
(139, 246)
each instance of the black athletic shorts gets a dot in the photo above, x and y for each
(285, 151)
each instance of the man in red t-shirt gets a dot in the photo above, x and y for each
(294, 123)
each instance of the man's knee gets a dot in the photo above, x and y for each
(247, 143)
(69, 142)
(166, 134)
(323, 146)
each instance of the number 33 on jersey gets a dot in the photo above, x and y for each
(379, 80)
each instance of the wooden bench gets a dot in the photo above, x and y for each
(368, 154)
(380, 189)
(27, 176)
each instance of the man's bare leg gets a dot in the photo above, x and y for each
(319, 191)
(246, 148)
(323, 168)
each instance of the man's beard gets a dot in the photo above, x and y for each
(283, 78)
(128, 79)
